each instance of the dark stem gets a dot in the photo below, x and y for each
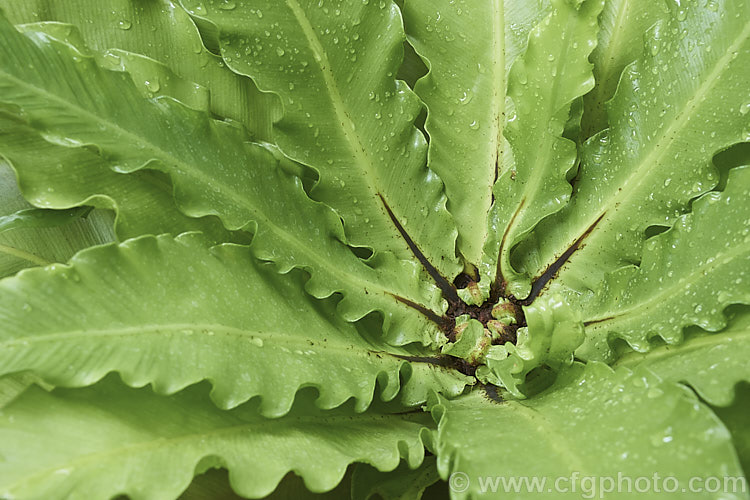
(491, 392)
(449, 292)
(449, 362)
(497, 289)
(428, 313)
(541, 282)
(595, 321)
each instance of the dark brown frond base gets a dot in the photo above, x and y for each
(512, 306)
(448, 362)
(483, 314)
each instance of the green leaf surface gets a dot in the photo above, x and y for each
(412, 68)
(22, 246)
(735, 418)
(683, 100)
(466, 97)
(554, 331)
(442, 213)
(735, 156)
(345, 114)
(210, 485)
(543, 83)
(623, 25)
(214, 485)
(714, 366)
(711, 363)
(159, 30)
(151, 77)
(39, 217)
(108, 439)
(402, 483)
(207, 161)
(572, 128)
(681, 281)
(12, 386)
(592, 423)
(143, 201)
(217, 315)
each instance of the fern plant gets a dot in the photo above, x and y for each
(398, 244)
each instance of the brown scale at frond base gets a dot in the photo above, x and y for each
(494, 316)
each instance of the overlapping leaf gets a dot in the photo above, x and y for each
(214, 483)
(543, 83)
(28, 236)
(109, 440)
(679, 103)
(119, 126)
(466, 97)
(554, 331)
(208, 162)
(39, 218)
(592, 423)
(334, 64)
(402, 483)
(171, 313)
(711, 363)
(680, 282)
(714, 365)
(735, 418)
(164, 32)
(143, 201)
(623, 25)
(12, 386)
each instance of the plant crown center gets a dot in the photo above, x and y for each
(475, 323)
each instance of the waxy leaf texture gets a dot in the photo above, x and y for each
(374, 244)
